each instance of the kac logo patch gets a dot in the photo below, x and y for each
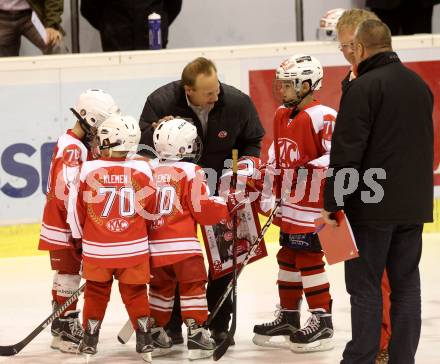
(222, 134)
(289, 152)
(117, 225)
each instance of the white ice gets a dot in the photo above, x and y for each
(25, 285)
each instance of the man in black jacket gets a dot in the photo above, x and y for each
(225, 119)
(384, 139)
(346, 28)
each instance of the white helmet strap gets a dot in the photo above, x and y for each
(299, 98)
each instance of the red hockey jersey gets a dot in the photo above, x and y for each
(302, 138)
(113, 206)
(183, 200)
(68, 156)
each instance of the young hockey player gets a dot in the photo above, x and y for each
(113, 207)
(176, 255)
(302, 137)
(92, 108)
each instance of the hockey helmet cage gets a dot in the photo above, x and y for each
(327, 25)
(300, 68)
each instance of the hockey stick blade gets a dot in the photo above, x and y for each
(221, 349)
(10, 350)
(125, 333)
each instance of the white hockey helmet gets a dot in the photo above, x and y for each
(327, 25)
(119, 133)
(177, 139)
(93, 107)
(300, 68)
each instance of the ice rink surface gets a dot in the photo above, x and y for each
(25, 285)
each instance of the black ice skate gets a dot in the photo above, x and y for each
(55, 329)
(144, 340)
(91, 336)
(200, 344)
(316, 335)
(161, 341)
(287, 322)
(67, 332)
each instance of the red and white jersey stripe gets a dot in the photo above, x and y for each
(165, 247)
(56, 236)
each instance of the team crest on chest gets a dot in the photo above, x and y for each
(117, 225)
(289, 152)
(222, 134)
(156, 224)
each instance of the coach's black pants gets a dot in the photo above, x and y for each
(214, 291)
(398, 249)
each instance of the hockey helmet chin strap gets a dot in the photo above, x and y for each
(297, 101)
(82, 122)
(86, 128)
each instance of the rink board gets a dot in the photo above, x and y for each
(36, 93)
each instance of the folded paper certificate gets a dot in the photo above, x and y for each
(218, 241)
(337, 242)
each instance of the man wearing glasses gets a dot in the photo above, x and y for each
(345, 28)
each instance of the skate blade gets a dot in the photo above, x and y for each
(195, 354)
(319, 345)
(265, 341)
(147, 357)
(161, 352)
(55, 344)
(68, 347)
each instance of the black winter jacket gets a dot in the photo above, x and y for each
(232, 123)
(385, 121)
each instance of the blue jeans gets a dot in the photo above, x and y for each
(397, 248)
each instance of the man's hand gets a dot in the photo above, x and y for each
(53, 37)
(328, 219)
(165, 118)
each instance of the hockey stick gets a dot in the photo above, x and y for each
(221, 349)
(9, 350)
(125, 333)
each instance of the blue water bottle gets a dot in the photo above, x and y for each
(155, 33)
